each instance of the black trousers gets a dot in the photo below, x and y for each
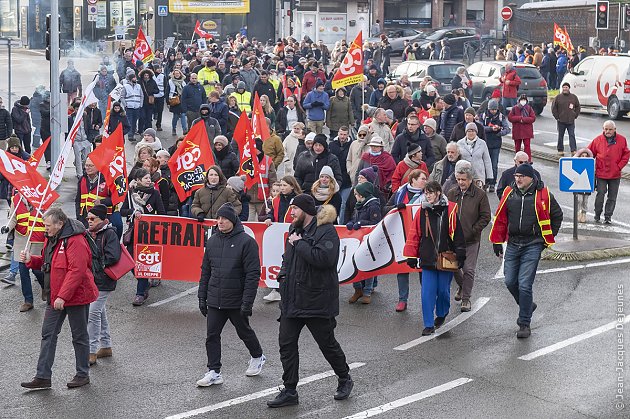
(323, 331)
(158, 108)
(216, 319)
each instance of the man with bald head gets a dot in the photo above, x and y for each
(507, 176)
(611, 154)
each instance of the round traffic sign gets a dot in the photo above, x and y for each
(506, 13)
(92, 1)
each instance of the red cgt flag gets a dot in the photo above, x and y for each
(351, 69)
(109, 159)
(191, 161)
(143, 49)
(201, 32)
(259, 124)
(36, 157)
(244, 137)
(27, 181)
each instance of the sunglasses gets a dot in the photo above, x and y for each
(362, 135)
(521, 162)
(91, 218)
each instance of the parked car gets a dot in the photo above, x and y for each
(602, 83)
(441, 72)
(485, 79)
(397, 38)
(457, 37)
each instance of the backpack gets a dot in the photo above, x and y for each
(98, 266)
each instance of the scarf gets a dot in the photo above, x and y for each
(471, 143)
(360, 205)
(322, 193)
(179, 85)
(97, 228)
(412, 164)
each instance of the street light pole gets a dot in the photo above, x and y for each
(55, 97)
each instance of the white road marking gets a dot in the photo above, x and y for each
(568, 225)
(577, 267)
(410, 399)
(257, 395)
(590, 214)
(575, 339)
(566, 143)
(447, 326)
(175, 297)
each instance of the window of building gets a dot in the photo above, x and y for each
(333, 7)
(8, 18)
(308, 6)
(413, 13)
(475, 10)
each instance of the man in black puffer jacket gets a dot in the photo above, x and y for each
(229, 280)
(309, 164)
(413, 134)
(309, 287)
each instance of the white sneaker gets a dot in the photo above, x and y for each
(255, 366)
(210, 378)
(9, 278)
(274, 295)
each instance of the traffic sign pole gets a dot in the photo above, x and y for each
(55, 96)
(575, 215)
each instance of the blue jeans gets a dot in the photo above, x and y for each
(403, 286)
(494, 159)
(184, 210)
(25, 279)
(520, 264)
(179, 117)
(367, 285)
(132, 117)
(116, 220)
(436, 295)
(509, 102)
(146, 117)
(142, 287)
(15, 265)
(102, 106)
(345, 193)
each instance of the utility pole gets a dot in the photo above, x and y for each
(55, 97)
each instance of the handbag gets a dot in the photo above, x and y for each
(151, 100)
(174, 101)
(120, 268)
(446, 261)
(128, 236)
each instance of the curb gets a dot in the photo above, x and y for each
(596, 254)
(548, 157)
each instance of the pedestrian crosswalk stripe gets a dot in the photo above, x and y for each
(410, 399)
(257, 395)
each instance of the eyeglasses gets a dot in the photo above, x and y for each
(91, 218)
(519, 176)
(521, 162)
(362, 135)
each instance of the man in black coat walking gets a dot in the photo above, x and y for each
(309, 287)
(229, 280)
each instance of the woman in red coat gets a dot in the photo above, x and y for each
(522, 117)
(413, 160)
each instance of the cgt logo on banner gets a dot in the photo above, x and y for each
(148, 261)
(363, 253)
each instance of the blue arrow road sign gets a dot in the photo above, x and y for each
(162, 11)
(577, 174)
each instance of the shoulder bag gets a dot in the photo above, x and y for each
(446, 261)
(120, 268)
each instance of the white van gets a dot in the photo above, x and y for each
(602, 83)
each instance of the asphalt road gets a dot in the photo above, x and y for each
(474, 369)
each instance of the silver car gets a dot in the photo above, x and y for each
(442, 72)
(397, 38)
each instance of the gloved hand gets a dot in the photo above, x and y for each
(4, 229)
(246, 310)
(460, 263)
(412, 263)
(317, 103)
(206, 82)
(201, 216)
(401, 206)
(203, 307)
(349, 226)
(498, 249)
(357, 225)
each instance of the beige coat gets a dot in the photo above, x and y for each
(385, 132)
(357, 148)
(290, 144)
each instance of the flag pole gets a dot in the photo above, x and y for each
(39, 211)
(263, 190)
(13, 212)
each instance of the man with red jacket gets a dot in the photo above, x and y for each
(510, 82)
(69, 289)
(611, 155)
(310, 78)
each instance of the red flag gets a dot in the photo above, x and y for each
(201, 32)
(36, 157)
(394, 128)
(109, 159)
(191, 161)
(143, 49)
(259, 124)
(27, 181)
(244, 137)
(351, 69)
(423, 115)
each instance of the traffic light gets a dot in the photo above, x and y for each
(626, 20)
(49, 34)
(601, 15)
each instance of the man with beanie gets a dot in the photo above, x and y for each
(438, 143)
(414, 135)
(193, 96)
(133, 97)
(450, 116)
(310, 163)
(528, 218)
(495, 126)
(459, 130)
(566, 109)
(309, 286)
(213, 128)
(22, 122)
(230, 272)
(412, 161)
(316, 104)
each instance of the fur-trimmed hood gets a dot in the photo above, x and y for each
(326, 214)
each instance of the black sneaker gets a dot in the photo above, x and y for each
(439, 321)
(344, 388)
(534, 307)
(285, 398)
(597, 219)
(428, 331)
(608, 221)
(37, 383)
(523, 332)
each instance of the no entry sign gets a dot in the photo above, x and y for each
(506, 13)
